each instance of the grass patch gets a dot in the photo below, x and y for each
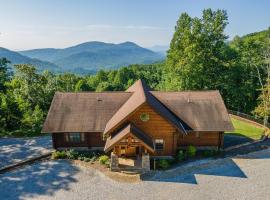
(246, 129)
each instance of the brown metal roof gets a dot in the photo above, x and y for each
(201, 110)
(141, 95)
(82, 112)
(129, 129)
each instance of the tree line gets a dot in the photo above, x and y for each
(200, 57)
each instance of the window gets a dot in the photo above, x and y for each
(74, 137)
(144, 117)
(197, 134)
(159, 144)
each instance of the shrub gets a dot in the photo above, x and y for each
(191, 151)
(163, 164)
(72, 154)
(81, 157)
(210, 153)
(86, 159)
(107, 163)
(94, 158)
(181, 155)
(103, 159)
(58, 155)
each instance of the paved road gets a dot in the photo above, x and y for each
(245, 177)
(13, 150)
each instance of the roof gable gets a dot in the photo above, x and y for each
(123, 133)
(141, 95)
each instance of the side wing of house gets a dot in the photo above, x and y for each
(77, 120)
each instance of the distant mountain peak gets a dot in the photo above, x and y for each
(128, 43)
(94, 55)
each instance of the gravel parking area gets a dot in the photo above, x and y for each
(13, 150)
(242, 177)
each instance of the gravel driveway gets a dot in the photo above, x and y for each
(16, 149)
(245, 177)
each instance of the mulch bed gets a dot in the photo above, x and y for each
(116, 176)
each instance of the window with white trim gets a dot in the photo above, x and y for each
(159, 144)
(74, 137)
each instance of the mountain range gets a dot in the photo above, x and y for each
(84, 58)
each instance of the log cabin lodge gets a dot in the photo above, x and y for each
(137, 121)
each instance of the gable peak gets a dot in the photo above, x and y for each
(140, 84)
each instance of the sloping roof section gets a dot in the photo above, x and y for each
(83, 111)
(105, 111)
(141, 94)
(201, 110)
(129, 129)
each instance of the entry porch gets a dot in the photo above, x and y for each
(131, 145)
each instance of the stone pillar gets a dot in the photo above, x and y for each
(114, 162)
(146, 162)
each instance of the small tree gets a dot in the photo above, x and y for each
(4, 75)
(263, 109)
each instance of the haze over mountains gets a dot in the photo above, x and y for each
(84, 58)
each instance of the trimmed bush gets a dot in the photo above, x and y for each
(181, 155)
(58, 155)
(163, 164)
(103, 159)
(191, 151)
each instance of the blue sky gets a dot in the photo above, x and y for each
(26, 24)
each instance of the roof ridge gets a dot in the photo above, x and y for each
(93, 92)
(185, 91)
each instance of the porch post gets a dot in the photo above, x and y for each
(114, 162)
(146, 162)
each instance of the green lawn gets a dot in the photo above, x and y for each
(246, 129)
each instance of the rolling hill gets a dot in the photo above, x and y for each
(17, 58)
(92, 56)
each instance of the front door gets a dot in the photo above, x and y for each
(131, 151)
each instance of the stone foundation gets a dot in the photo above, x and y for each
(114, 162)
(146, 162)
